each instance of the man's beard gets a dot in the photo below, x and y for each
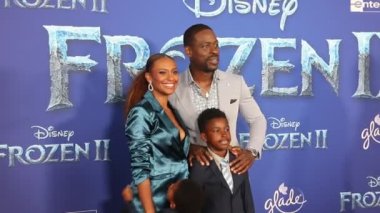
(210, 68)
(204, 67)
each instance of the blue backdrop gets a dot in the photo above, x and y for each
(313, 67)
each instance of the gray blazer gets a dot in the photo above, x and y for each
(234, 97)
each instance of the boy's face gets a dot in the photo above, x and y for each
(217, 135)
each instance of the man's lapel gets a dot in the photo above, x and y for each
(186, 106)
(224, 89)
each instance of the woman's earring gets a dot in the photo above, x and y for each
(150, 86)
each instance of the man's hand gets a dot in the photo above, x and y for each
(244, 160)
(200, 153)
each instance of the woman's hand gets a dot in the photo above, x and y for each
(127, 194)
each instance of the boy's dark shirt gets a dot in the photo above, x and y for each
(218, 197)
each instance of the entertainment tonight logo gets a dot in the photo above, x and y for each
(363, 6)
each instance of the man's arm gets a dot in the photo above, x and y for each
(252, 114)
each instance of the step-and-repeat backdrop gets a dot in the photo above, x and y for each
(313, 66)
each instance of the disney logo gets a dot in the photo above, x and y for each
(282, 200)
(272, 7)
(42, 133)
(373, 181)
(282, 123)
(372, 132)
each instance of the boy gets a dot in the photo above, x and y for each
(230, 194)
(184, 196)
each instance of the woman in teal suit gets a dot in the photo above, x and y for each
(157, 139)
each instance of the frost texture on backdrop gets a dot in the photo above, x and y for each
(313, 67)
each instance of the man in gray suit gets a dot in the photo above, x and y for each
(204, 86)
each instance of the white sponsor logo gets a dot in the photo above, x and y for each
(363, 6)
(43, 133)
(285, 200)
(372, 133)
(276, 123)
(272, 7)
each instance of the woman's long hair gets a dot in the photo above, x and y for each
(140, 84)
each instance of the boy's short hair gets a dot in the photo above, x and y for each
(188, 197)
(207, 115)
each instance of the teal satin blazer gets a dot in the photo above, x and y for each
(156, 150)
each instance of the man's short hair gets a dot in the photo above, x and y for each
(188, 197)
(188, 36)
(207, 115)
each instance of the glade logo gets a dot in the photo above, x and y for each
(96, 5)
(364, 6)
(43, 133)
(283, 123)
(372, 132)
(361, 200)
(272, 7)
(285, 201)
